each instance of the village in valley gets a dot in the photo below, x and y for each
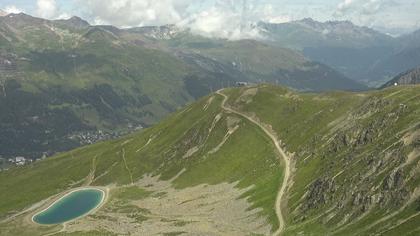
(6, 163)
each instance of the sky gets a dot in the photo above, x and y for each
(224, 18)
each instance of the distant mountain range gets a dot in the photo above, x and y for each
(360, 53)
(408, 78)
(308, 33)
(65, 83)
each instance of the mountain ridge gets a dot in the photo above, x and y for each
(330, 33)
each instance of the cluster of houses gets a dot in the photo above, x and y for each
(6, 163)
(242, 84)
(19, 161)
(7, 65)
(90, 137)
(84, 138)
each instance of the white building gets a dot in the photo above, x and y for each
(20, 161)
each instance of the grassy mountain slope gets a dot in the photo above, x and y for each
(355, 169)
(202, 143)
(356, 158)
(55, 72)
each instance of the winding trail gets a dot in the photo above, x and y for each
(280, 150)
(126, 166)
(91, 175)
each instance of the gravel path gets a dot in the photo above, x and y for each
(285, 157)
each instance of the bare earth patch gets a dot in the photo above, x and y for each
(200, 210)
(247, 95)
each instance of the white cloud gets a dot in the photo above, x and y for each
(12, 9)
(345, 5)
(270, 14)
(233, 21)
(63, 15)
(365, 12)
(363, 7)
(221, 23)
(227, 18)
(47, 9)
(127, 13)
(217, 18)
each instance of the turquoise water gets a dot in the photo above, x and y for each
(71, 206)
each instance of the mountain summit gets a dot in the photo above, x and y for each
(75, 22)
